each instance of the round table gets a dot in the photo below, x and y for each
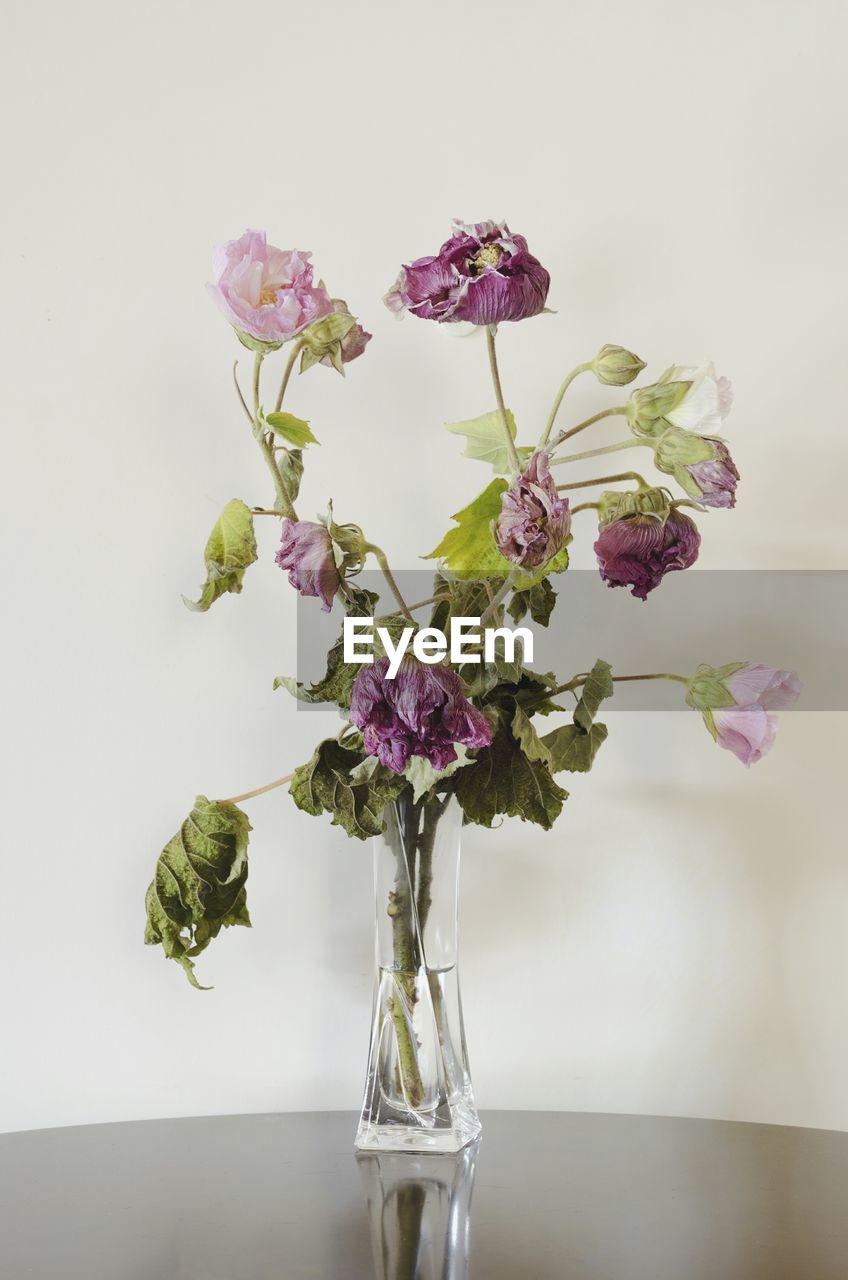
(543, 1196)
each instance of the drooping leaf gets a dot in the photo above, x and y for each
(528, 739)
(199, 884)
(470, 548)
(326, 784)
(539, 599)
(574, 746)
(480, 678)
(230, 549)
(557, 564)
(503, 781)
(335, 684)
(295, 431)
(291, 470)
(485, 439)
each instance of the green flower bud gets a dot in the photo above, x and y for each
(614, 505)
(324, 338)
(676, 448)
(708, 690)
(615, 366)
(647, 407)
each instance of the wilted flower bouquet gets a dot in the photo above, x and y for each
(434, 736)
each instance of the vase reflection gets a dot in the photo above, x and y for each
(419, 1212)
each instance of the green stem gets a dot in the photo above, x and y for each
(265, 447)
(258, 791)
(586, 506)
(405, 952)
(588, 422)
(613, 479)
(287, 373)
(380, 556)
(499, 597)
(512, 453)
(576, 681)
(426, 843)
(609, 448)
(549, 426)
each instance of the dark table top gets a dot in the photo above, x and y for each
(543, 1196)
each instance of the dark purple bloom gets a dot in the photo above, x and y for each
(640, 550)
(534, 521)
(422, 712)
(483, 274)
(306, 550)
(716, 478)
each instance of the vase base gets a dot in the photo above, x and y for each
(396, 1137)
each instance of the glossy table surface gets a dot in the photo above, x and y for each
(543, 1196)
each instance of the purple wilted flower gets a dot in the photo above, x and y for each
(483, 274)
(737, 704)
(306, 550)
(266, 293)
(423, 711)
(714, 481)
(638, 551)
(534, 521)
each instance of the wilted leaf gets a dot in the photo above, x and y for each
(327, 784)
(539, 599)
(485, 439)
(230, 549)
(503, 780)
(291, 470)
(574, 746)
(421, 775)
(199, 884)
(527, 737)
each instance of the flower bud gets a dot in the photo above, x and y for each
(637, 551)
(648, 407)
(335, 340)
(701, 465)
(306, 552)
(615, 366)
(349, 545)
(737, 702)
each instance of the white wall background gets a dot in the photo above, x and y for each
(678, 944)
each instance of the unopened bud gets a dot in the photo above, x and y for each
(615, 366)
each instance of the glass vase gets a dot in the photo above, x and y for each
(418, 1093)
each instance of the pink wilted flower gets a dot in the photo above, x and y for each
(534, 521)
(266, 293)
(306, 551)
(423, 711)
(639, 550)
(483, 274)
(737, 702)
(714, 481)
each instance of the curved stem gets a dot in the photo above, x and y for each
(577, 681)
(499, 596)
(613, 479)
(283, 500)
(287, 373)
(514, 460)
(586, 506)
(549, 426)
(588, 422)
(596, 453)
(258, 791)
(380, 556)
(248, 414)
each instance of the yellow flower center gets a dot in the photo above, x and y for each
(489, 256)
(268, 295)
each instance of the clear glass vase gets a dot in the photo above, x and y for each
(418, 1094)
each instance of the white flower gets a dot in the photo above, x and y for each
(706, 403)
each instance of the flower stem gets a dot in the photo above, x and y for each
(514, 461)
(380, 556)
(287, 373)
(586, 506)
(587, 422)
(608, 448)
(283, 500)
(499, 597)
(258, 791)
(549, 426)
(576, 681)
(613, 479)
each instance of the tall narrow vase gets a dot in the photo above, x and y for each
(418, 1094)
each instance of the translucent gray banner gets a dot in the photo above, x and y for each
(792, 619)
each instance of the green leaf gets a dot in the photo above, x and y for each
(199, 884)
(503, 780)
(470, 547)
(335, 684)
(290, 463)
(485, 437)
(558, 564)
(294, 430)
(574, 746)
(327, 784)
(230, 549)
(527, 737)
(539, 599)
